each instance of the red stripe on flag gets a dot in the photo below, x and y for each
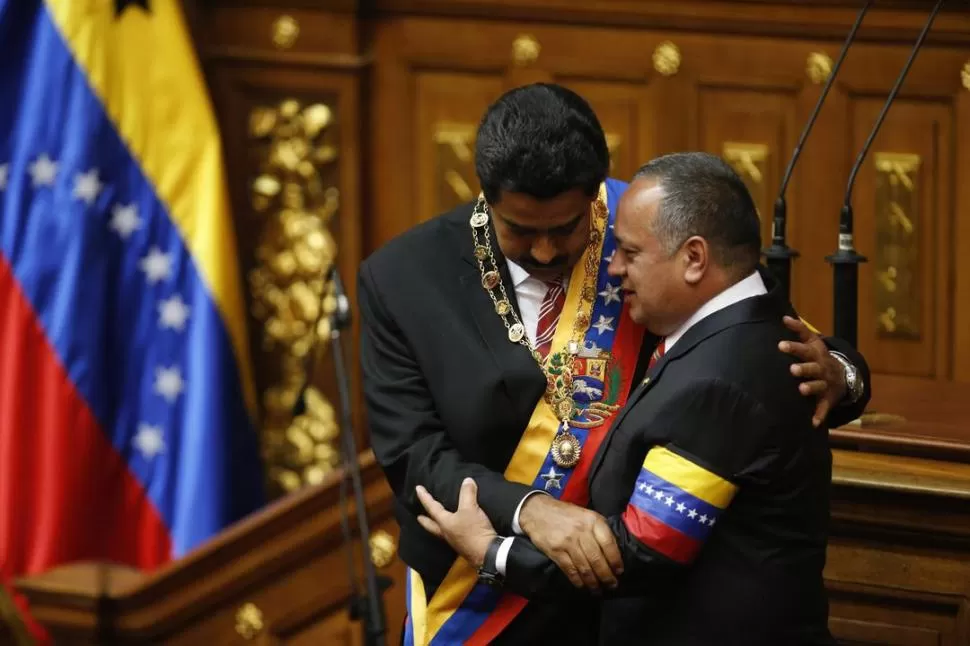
(65, 492)
(661, 537)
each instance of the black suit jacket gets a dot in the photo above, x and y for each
(447, 395)
(724, 399)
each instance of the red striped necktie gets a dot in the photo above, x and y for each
(659, 352)
(549, 313)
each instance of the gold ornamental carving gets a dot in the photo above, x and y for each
(286, 29)
(818, 67)
(666, 58)
(965, 75)
(296, 198)
(897, 262)
(249, 621)
(525, 50)
(382, 549)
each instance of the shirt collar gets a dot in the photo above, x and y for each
(751, 286)
(517, 273)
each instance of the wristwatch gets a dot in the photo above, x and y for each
(488, 573)
(853, 381)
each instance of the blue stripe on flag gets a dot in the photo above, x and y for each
(90, 288)
(673, 506)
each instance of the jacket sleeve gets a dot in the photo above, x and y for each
(846, 412)
(682, 490)
(410, 442)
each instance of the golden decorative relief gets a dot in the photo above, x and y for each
(818, 67)
(455, 160)
(965, 75)
(525, 50)
(666, 58)
(296, 198)
(897, 257)
(382, 548)
(249, 621)
(285, 31)
(750, 160)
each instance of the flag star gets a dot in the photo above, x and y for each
(87, 186)
(173, 313)
(681, 507)
(669, 501)
(4, 172)
(692, 513)
(604, 323)
(552, 479)
(710, 523)
(642, 486)
(156, 265)
(149, 440)
(649, 490)
(125, 220)
(659, 495)
(611, 293)
(609, 258)
(43, 171)
(168, 383)
(703, 519)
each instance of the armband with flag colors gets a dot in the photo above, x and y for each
(675, 504)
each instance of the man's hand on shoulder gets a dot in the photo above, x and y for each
(823, 374)
(578, 540)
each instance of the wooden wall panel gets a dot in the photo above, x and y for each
(903, 193)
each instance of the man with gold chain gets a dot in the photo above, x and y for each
(496, 346)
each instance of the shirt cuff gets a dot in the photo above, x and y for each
(503, 555)
(515, 518)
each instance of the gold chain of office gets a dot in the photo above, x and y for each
(557, 367)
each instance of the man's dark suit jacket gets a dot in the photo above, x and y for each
(448, 396)
(723, 398)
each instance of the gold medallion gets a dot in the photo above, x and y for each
(550, 384)
(582, 321)
(564, 409)
(481, 252)
(566, 450)
(589, 294)
(516, 332)
(478, 219)
(502, 308)
(490, 279)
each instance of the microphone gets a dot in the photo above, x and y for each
(779, 255)
(370, 607)
(845, 261)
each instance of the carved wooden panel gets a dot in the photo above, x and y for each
(752, 130)
(292, 155)
(903, 197)
(448, 107)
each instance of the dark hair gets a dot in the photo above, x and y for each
(704, 196)
(542, 140)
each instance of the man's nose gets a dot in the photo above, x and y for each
(543, 250)
(616, 266)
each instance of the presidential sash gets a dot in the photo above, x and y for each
(463, 611)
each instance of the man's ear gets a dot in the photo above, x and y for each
(696, 255)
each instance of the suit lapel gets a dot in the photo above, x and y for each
(514, 361)
(749, 310)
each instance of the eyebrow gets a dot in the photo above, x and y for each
(562, 228)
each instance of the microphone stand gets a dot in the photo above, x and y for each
(369, 608)
(779, 255)
(845, 261)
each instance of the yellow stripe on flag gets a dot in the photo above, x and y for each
(143, 68)
(690, 477)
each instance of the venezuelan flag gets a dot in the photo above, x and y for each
(126, 393)
(675, 504)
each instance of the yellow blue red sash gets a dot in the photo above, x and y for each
(462, 611)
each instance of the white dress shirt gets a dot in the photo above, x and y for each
(751, 286)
